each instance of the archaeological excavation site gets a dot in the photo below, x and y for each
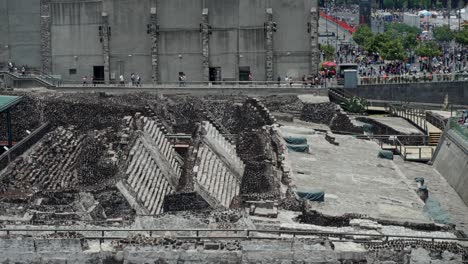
(177, 178)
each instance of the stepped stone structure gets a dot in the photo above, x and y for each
(219, 170)
(153, 170)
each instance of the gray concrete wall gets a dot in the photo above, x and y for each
(20, 32)
(4, 36)
(238, 38)
(451, 161)
(75, 39)
(416, 92)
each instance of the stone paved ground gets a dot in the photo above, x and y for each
(353, 178)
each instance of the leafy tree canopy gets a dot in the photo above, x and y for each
(461, 37)
(401, 28)
(328, 52)
(362, 35)
(376, 43)
(392, 50)
(443, 33)
(428, 49)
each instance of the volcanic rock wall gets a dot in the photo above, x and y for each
(59, 162)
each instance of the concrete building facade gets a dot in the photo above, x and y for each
(205, 39)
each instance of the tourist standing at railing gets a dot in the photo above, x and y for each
(279, 81)
(122, 80)
(138, 80)
(23, 71)
(85, 80)
(132, 78)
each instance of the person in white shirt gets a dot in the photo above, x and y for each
(122, 80)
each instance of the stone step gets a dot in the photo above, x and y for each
(136, 158)
(220, 187)
(210, 179)
(159, 179)
(217, 176)
(214, 177)
(149, 184)
(154, 187)
(139, 167)
(146, 180)
(159, 197)
(143, 175)
(202, 170)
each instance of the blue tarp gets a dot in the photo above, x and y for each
(316, 196)
(296, 140)
(385, 154)
(434, 210)
(298, 148)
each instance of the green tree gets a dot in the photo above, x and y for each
(430, 50)
(362, 34)
(328, 52)
(443, 34)
(401, 28)
(377, 42)
(409, 41)
(461, 37)
(392, 50)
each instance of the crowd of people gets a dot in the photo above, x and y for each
(12, 68)
(371, 65)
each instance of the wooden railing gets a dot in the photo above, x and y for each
(413, 115)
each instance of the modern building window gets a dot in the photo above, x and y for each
(72, 71)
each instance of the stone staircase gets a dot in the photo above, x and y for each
(153, 169)
(434, 138)
(218, 170)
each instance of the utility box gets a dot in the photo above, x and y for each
(350, 79)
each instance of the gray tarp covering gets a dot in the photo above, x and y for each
(299, 148)
(296, 140)
(316, 196)
(385, 154)
(435, 211)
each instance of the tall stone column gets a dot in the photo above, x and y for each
(270, 27)
(46, 37)
(314, 43)
(105, 32)
(154, 32)
(205, 34)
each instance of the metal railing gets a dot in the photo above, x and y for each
(196, 84)
(46, 79)
(19, 148)
(214, 234)
(427, 78)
